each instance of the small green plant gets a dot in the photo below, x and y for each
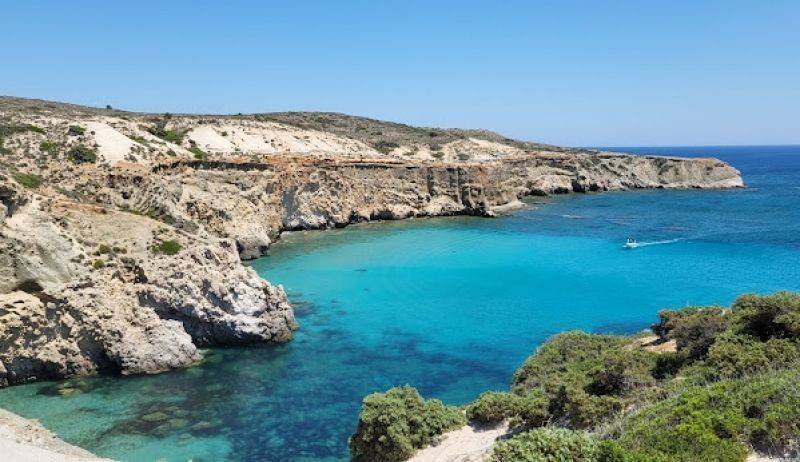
(13, 129)
(29, 180)
(103, 249)
(75, 130)
(49, 147)
(82, 154)
(437, 154)
(199, 154)
(169, 247)
(98, 264)
(386, 147)
(160, 130)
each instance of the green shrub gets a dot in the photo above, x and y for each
(167, 248)
(693, 329)
(710, 422)
(98, 264)
(199, 154)
(75, 130)
(81, 154)
(437, 154)
(393, 425)
(736, 355)
(29, 180)
(772, 316)
(13, 129)
(386, 147)
(493, 407)
(587, 377)
(160, 130)
(49, 147)
(548, 445)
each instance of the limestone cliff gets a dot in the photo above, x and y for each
(121, 234)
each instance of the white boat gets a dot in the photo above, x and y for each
(631, 244)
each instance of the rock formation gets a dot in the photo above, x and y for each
(122, 234)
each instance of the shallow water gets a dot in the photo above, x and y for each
(451, 306)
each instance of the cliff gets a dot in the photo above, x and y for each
(122, 234)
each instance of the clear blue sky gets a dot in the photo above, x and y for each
(566, 72)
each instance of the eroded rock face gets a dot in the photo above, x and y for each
(253, 202)
(85, 292)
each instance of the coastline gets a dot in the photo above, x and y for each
(23, 440)
(133, 261)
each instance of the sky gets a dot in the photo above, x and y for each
(578, 73)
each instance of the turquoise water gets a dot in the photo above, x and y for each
(451, 306)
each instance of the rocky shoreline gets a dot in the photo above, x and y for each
(23, 440)
(122, 235)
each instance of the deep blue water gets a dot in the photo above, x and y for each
(451, 306)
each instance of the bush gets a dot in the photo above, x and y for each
(493, 407)
(49, 147)
(736, 355)
(81, 154)
(29, 180)
(160, 130)
(167, 248)
(386, 147)
(75, 130)
(98, 264)
(708, 422)
(694, 329)
(199, 154)
(393, 425)
(13, 129)
(548, 445)
(602, 364)
(772, 316)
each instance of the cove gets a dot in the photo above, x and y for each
(451, 306)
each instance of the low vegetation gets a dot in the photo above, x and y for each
(385, 147)
(392, 426)
(167, 134)
(49, 147)
(169, 247)
(730, 388)
(81, 154)
(199, 154)
(29, 180)
(8, 129)
(75, 130)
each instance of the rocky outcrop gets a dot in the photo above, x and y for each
(85, 289)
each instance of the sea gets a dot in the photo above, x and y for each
(451, 306)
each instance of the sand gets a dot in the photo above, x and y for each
(113, 146)
(467, 444)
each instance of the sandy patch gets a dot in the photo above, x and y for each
(467, 444)
(113, 146)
